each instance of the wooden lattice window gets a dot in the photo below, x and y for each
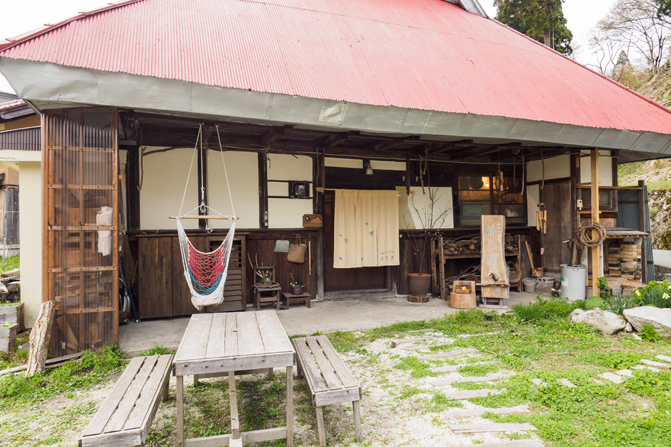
(80, 173)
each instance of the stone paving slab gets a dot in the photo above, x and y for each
(490, 428)
(539, 382)
(566, 383)
(444, 355)
(612, 377)
(470, 412)
(625, 373)
(654, 364)
(445, 382)
(639, 367)
(516, 443)
(467, 394)
(454, 368)
(664, 358)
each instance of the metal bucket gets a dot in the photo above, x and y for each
(573, 279)
(529, 284)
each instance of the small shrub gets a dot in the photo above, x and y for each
(618, 303)
(655, 294)
(156, 350)
(648, 333)
(605, 292)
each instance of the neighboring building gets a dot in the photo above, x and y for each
(306, 98)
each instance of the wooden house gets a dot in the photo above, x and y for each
(303, 99)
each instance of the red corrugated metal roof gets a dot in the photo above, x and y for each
(419, 54)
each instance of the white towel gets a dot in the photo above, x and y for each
(104, 217)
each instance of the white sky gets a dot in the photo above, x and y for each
(21, 16)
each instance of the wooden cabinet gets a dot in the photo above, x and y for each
(162, 288)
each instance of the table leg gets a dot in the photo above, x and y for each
(180, 410)
(235, 422)
(357, 420)
(290, 406)
(320, 426)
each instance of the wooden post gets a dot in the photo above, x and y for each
(39, 338)
(290, 406)
(596, 251)
(179, 397)
(642, 215)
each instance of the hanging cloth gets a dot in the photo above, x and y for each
(205, 272)
(366, 229)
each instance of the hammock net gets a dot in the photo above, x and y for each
(205, 272)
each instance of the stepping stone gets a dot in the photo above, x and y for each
(664, 358)
(517, 443)
(539, 382)
(446, 382)
(489, 428)
(470, 412)
(656, 364)
(453, 368)
(566, 383)
(639, 367)
(397, 343)
(467, 394)
(597, 381)
(444, 355)
(612, 377)
(625, 373)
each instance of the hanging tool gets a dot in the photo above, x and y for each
(535, 272)
(128, 289)
(542, 218)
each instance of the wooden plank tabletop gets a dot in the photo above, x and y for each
(225, 341)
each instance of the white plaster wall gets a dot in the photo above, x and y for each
(30, 233)
(243, 176)
(289, 167)
(408, 216)
(605, 170)
(387, 165)
(288, 213)
(555, 167)
(344, 163)
(533, 197)
(163, 178)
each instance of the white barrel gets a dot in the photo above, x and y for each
(573, 280)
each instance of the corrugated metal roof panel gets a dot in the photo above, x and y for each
(421, 54)
(28, 139)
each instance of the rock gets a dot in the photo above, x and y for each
(628, 327)
(635, 336)
(660, 319)
(606, 322)
(15, 272)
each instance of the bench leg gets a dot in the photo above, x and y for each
(258, 300)
(270, 374)
(290, 406)
(195, 380)
(320, 426)
(180, 410)
(357, 420)
(277, 304)
(165, 390)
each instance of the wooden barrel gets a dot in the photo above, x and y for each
(463, 300)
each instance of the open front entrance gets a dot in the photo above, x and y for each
(336, 280)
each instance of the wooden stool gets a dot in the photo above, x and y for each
(289, 297)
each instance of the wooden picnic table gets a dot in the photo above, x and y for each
(220, 344)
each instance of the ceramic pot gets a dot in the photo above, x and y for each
(297, 290)
(419, 283)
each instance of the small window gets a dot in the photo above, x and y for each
(485, 195)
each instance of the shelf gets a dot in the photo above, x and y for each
(474, 256)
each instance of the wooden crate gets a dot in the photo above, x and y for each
(8, 337)
(12, 314)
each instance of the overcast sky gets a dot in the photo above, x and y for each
(19, 17)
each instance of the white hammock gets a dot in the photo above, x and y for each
(205, 272)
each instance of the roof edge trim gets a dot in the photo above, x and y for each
(46, 88)
(10, 42)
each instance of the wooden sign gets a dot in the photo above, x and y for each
(494, 280)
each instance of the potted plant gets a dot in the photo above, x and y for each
(431, 217)
(296, 286)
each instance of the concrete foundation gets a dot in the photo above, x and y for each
(325, 317)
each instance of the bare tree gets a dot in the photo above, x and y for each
(612, 55)
(635, 25)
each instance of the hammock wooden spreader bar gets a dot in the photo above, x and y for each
(206, 217)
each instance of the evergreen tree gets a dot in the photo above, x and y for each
(542, 20)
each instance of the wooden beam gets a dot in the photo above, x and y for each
(642, 216)
(263, 190)
(272, 135)
(386, 145)
(132, 185)
(596, 251)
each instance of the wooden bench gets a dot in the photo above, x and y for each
(125, 416)
(328, 378)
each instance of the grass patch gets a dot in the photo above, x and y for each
(418, 368)
(9, 264)
(156, 350)
(91, 369)
(545, 309)
(439, 403)
(478, 370)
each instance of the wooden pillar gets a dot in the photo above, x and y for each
(596, 251)
(132, 187)
(202, 183)
(642, 215)
(263, 190)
